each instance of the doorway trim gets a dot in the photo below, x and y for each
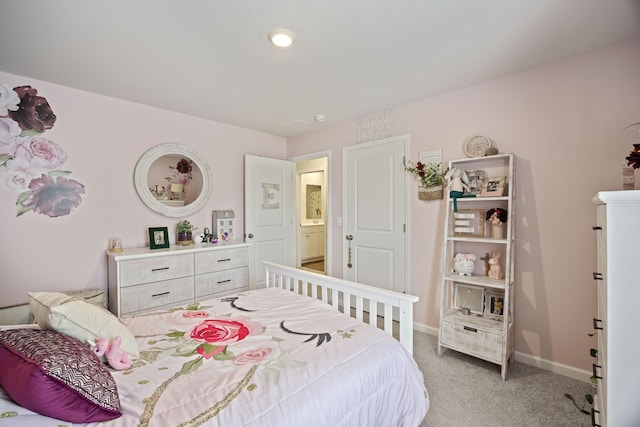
(328, 215)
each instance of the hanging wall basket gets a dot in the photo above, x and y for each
(432, 193)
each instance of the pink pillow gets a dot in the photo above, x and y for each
(55, 375)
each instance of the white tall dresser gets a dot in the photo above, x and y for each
(617, 369)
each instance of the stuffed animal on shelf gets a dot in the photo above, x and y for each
(457, 184)
(457, 179)
(117, 358)
(495, 271)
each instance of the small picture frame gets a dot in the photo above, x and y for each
(493, 187)
(476, 179)
(471, 297)
(158, 238)
(115, 245)
(468, 223)
(494, 308)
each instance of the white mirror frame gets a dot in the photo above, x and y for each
(142, 187)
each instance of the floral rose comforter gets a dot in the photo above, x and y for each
(266, 357)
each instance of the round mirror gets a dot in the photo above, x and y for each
(173, 180)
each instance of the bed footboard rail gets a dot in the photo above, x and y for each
(351, 298)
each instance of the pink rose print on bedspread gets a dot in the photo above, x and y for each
(253, 356)
(217, 334)
(214, 335)
(195, 314)
(260, 353)
(29, 163)
(189, 317)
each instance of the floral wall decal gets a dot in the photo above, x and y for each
(182, 173)
(30, 163)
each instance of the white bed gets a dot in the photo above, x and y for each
(289, 360)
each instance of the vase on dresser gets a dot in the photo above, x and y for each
(185, 239)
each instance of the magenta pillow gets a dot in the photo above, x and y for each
(56, 375)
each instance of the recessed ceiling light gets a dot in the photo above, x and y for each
(281, 37)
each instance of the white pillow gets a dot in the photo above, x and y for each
(79, 319)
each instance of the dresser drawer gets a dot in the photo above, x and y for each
(212, 261)
(472, 340)
(137, 271)
(220, 283)
(157, 294)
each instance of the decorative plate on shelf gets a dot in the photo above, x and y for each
(476, 146)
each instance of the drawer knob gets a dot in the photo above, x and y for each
(470, 329)
(595, 371)
(224, 281)
(594, 411)
(595, 324)
(160, 269)
(224, 260)
(160, 294)
(597, 276)
(596, 227)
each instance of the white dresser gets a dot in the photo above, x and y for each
(141, 279)
(618, 324)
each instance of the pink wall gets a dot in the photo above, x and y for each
(103, 138)
(565, 123)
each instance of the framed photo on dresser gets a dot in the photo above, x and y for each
(158, 238)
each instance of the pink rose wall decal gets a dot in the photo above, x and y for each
(29, 163)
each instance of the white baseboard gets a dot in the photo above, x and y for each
(425, 328)
(555, 367)
(527, 359)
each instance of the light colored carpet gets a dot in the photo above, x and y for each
(465, 391)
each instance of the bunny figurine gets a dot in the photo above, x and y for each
(495, 271)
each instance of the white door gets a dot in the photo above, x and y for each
(375, 209)
(269, 201)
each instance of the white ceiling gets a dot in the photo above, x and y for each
(352, 58)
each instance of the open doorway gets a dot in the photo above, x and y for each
(312, 209)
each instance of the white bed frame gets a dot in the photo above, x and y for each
(335, 292)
